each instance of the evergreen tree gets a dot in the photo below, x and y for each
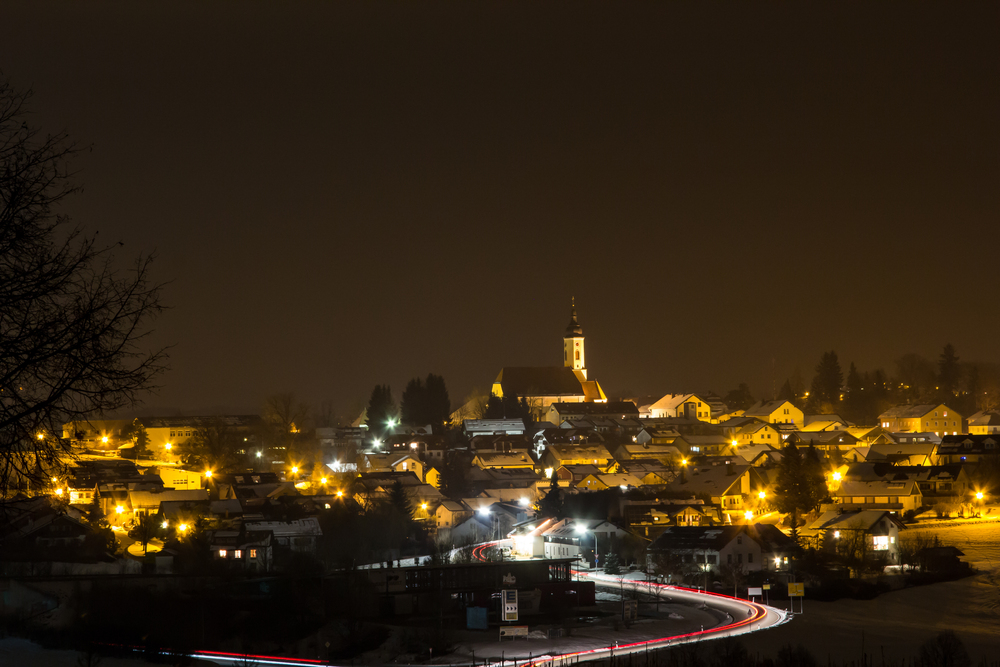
(438, 401)
(141, 440)
(612, 564)
(854, 398)
(381, 410)
(455, 475)
(814, 490)
(788, 491)
(413, 405)
(824, 394)
(399, 502)
(739, 398)
(949, 374)
(551, 506)
(787, 394)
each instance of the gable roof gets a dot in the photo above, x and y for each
(762, 409)
(860, 520)
(685, 538)
(539, 381)
(910, 411)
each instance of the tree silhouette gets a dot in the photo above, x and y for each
(73, 321)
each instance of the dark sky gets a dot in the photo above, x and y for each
(343, 194)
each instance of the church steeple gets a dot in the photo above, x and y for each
(573, 356)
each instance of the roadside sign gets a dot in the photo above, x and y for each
(796, 590)
(752, 592)
(767, 587)
(509, 605)
(514, 631)
(630, 610)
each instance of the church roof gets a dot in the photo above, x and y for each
(539, 381)
(573, 329)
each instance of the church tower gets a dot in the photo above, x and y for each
(573, 345)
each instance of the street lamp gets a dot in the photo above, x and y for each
(761, 495)
(41, 436)
(168, 446)
(165, 524)
(183, 527)
(323, 481)
(837, 476)
(748, 515)
(208, 473)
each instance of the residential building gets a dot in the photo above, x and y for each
(754, 547)
(690, 406)
(985, 423)
(966, 448)
(870, 534)
(558, 413)
(775, 412)
(892, 495)
(938, 419)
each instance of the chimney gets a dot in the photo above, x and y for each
(730, 469)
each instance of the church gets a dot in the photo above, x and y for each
(545, 385)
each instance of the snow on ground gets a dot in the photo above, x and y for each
(14, 651)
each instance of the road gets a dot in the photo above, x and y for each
(744, 617)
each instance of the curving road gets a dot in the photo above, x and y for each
(745, 617)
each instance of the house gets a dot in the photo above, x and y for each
(896, 496)
(908, 454)
(557, 456)
(691, 406)
(724, 482)
(558, 413)
(665, 454)
(966, 448)
(938, 419)
(775, 412)
(754, 433)
(244, 486)
(869, 534)
(567, 538)
(300, 535)
(572, 475)
(394, 463)
(519, 459)
(650, 518)
(450, 513)
(985, 422)
(752, 547)
(244, 550)
(949, 482)
(501, 443)
(814, 423)
(602, 481)
(484, 427)
(647, 471)
(147, 503)
(166, 433)
(98, 434)
(824, 441)
(653, 435)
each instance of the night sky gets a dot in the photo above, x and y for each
(344, 194)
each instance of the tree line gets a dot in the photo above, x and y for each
(861, 396)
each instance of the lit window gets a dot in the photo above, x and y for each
(253, 553)
(836, 534)
(238, 554)
(222, 553)
(881, 542)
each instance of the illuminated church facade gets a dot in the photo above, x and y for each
(545, 385)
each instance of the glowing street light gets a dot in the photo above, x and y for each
(761, 495)
(979, 495)
(322, 481)
(340, 494)
(41, 436)
(59, 492)
(168, 446)
(208, 473)
(258, 454)
(423, 506)
(748, 515)
(104, 440)
(484, 511)
(54, 480)
(523, 502)
(165, 525)
(837, 476)
(733, 442)
(684, 462)
(119, 509)
(295, 470)
(183, 527)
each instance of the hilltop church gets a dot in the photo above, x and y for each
(545, 385)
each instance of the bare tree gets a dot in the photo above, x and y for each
(73, 323)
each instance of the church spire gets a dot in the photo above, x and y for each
(573, 344)
(573, 330)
